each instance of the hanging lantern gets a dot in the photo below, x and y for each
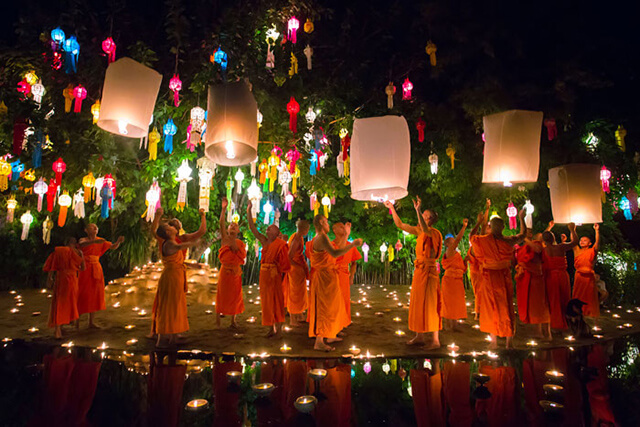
(52, 191)
(326, 205)
(16, 169)
(197, 117)
(24, 88)
(220, 57)
(512, 148)
(37, 90)
(72, 51)
(288, 203)
(267, 208)
(184, 176)
(383, 251)
(254, 194)
(431, 50)
(40, 188)
(310, 116)
(284, 180)
(154, 138)
(625, 205)
(56, 61)
(292, 28)
(575, 194)
(207, 170)
(308, 52)
(293, 68)
(259, 117)
(5, 171)
(407, 87)
(552, 129)
(152, 200)
(67, 93)
(59, 167)
(451, 153)
(398, 246)
(95, 111)
(169, 129)
(232, 134)
(365, 251)
(308, 26)
(129, 95)
(433, 162)
(605, 174)
(529, 209)
(30, 175)
(273, 163)
(79, 93)
(621, 133)
(26, 219)
(293, 108)
(12, 204)
(58, 37)
(47, 226)
(175, 84)
(512, 212)
(109, 48)
(391, 254)
(239, 176)
(64, 201)
(380, 158)
(293, 155)
(78, 204)
(106, 197)
(420, 126)
(390, 90)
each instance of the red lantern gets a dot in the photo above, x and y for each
(407, 87)
(52, 189)
(109, 47)
(24, 88)
(175, 84)
(59, 166)
(552, 129)
(511, 213)
(19, 128)
(421, 125)
(293, 108)
(79, 93)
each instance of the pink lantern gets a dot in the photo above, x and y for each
(420, 126)
(407, 87)
(292, 27)
(175, 84)
(512, 212)
(552, 129)
(293, 156)
(109, 47)
(24, 88)
(40, 188)
(365, 251)
(288, 202)
(59, 166)
(605, 174)
(79, 93)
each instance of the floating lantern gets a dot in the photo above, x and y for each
(390, 90)
(37, 90)
(64, 201)
(129, 95)
(407, 87)
(433, 162)
(626, 208)
(72, 51)
(292, 28)
(512, 148)
(12, 204)
(380, 158)
(95, 111)
(109, 48)
(175, 84)
(169, 129)
(197, 405)
(575, 194)
(232, 134)
(184, 176)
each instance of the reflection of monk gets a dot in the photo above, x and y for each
(335, 410)
(296, 280)
(346, 264)
(533, 379)
(271, 412)
(165, 391)
(598, 388)
(295, 381)
(426, 390)
(501, 409)
(584, 283)
(455, 377)
(225, 401)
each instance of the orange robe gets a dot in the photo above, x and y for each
(454, 304)
(229, 295)
(296, 283)
(64, 304)
(344, 276)
(533, 379)
(307, 252)
(164, 394)
(335, 410)
(169, 314)
(475, 276)
(502, 408)
(456, 386)
(425, 300)
(275, 264)
(530, 288)
(558, 288)
(426, 390)
(295, 382)
(598, 388)
(326, 307)
(496, 313)
(225, 398)
(91, 280)
(584, 283)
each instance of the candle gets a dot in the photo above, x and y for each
(263, 389)
(554, 376)
(549, 406)
(453, 347)
(397, 319)
(354, 350)
(596, 328)
(234, 377)
(616, 316)
(357, 314)
(488, 338)
(598, 337)
(7, 339)
(400, 333)
(569, 338)
(33, 329)
(251, 320)
(379, 313)
(36, 313)
(285, 348)
(287, 329)
(116, 305)
(142, 313)
(481, 378)
(104, 346)
(67, 344)
(130, 326)
(132, 341)
(552, 388)
(492, 355)
(208, 312)
(476, 326)
(135, 308)
(19, 304)
(532, 343)
(627, 325)
(317, 374)
(305, 404)
(197, 405)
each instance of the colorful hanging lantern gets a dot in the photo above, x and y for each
(308, 52)
(169, 129)
(552, 129)
(184, 176)
(79, 93)
(206, 172)
(326, 205)
(451, 153)
(220, 57)
(293, 108)
(383, 251)
(56, 61)
(40, 188)
(390, 90)
(31, 77)
(293, 68)
(274, 162)
(37, 90)
(605, 174)
(512, 212)
(310, 115)
(398, 246)
(288, 203)
(431, 50)
(292, 28)
(30, 175)
(16, 169)
(154, 138)
(175, 84)
(47, 226)
(407, 87)
(433, 162)
(420, 126)
(58, 37)
(12, 204)
(72, 51)
(64, 201)
(106, 197)
(529, 209)
(267, 208)
(254, 194)
(284, 180)
(625, 205)
(109, 48)
(197, 117)
(365, 251)
(78, 204)
(152, 200)
(59, 167)
(239, 176)
(95, 111)
(67, 93)
(26, 219)
(5, 171)
(308, 26)
(391, 254)
(24, 88)
(52, 191)
(621, 133)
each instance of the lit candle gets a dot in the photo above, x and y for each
(251, 320)
(400, 333)
(357, 314)
(317, 374)
(197, 404)
(492, 355)
(354, 350)
(104, 346)
(453, 347)
(142, 313)
(598, 336)
(116, 305)
(554, 375)
(287, 329)
(532, 343)
(263, 389)
(33, 329)
(627, 325)
(476, 326)
(208, 311)
(285, 348)
(132, 341)
(615, 316)
(397, 319)
(234, 377)
(569, 338)
(67, 344)
(130, 326)
(488, 338)
(596, 328)
(305, 404)
(14, 310)
(552, 388)
(549, 406)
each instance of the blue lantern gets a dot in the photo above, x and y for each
(626, 207)
(16, 168)
(220, 57)
(169, 130)
(36, 156)
(314, 163)
(72, 50)
(106, 193)
(58, 36)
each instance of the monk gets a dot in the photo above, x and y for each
(554, 263)
(531, 293)
(91, 280)
(454, 305)
(425, 299)
(273, 267)
(63, 266)
(347, 265)
(584, 282)
(326, 306)
(169, 314)
(474, 265)
(232, 255)
(296, 280)
(495, 251)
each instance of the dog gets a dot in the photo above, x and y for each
(575, 319)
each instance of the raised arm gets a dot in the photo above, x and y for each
(252, 226)
(84, 241)
(596, 245)
(156, 222)
(574, 238)
(117, 243)
(479, 223)
(171, 247)
(325, 245)
(550, 226)
(187, 237)
(422, 224)
(523, 229)
(398, 222)
(451, 249)
(222, 223)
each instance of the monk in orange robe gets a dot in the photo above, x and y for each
(533, 307)
(326, 306)
(495, 251)
(454, 305)
(273, 267)
(426, 391)
(296, 280)
(91, 280)
(308, 248)
(232, 255)
(475, 269)
(554, 263)
(456, 390)
(169, 314)
(63, 266)
(347, 265)
(584, 283)
(425, 299)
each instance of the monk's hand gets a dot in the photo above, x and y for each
(571, 226)
(159, 211)
(225, 203)
(465, 222)
(563, 237)
(388, 204)
(552, 223)
(417, 202)
(357, 242)
(596, 227)
(202, 213)
(347, 228)
(480, 217)
(120, 240)
(487, 204)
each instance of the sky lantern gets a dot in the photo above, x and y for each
(512, 147)
(575, 194)
(26, 219)
(232, 131)
(380, 158)
(64, 201)
(129, 95)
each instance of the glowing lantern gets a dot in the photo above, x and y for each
(129, 94)
(420, 126)
(431, 50)
(621, 133)
(37, 90)
(407, 87)
(175, 84)
(605, 174)
(30, 175)
(390, 90)
(365, 251)
(293, 108)
(184, 176)
(293, 69)
(109, 48)
(512, 148)
(232, 134)
(575, 194)
(274, 162)
(308, 26)
(529, 209)
(58, 36)
(380, 158)
(308, 52)
(40, 188)
(391, 254)
(512, 212)
(239, 176)
(64, 201)
(154, 138)
(398, 246)
(24, 88)
(79, 93)
(197, 116)
(107, 193)
(207, 170)
(254, 194)
(383, 251)
(47, 226)
(310, 116)
(59, 167)
(288, 203)
(95, 111)
(67, 93)
(267, 208)
(26, 219)
(292, 28)
(152, 200)
(220, 57)
(78, 204)
(259, 117)
(169, 129)
(12, 204)
(326, 204)
(433, 162)
(5, 171)
(16, 168)
(451, 153)
(72, 50)
(367, 368)
(625, 205)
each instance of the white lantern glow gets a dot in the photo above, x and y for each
(512, 147)
(128, 97)
(254, 194)
(26, 219)
(433, 162)
(78, 204)
(12, 204)
(310, 116)
(184, 176)
(575, 194)
(232, 131)
(267, 209)
(383, 251)
(380, 158)
(239, 176)
(206, 174)
(529, 209)
(152, 197)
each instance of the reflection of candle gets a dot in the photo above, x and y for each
(305, 404)
(33, 329)
(569, 338)
(532, 343)
(552, 388)
(197, 404)
(596, 328)
(132, 341)
(548, 406)
(234, 377)
(554, 375)
(627, 325)
(285, 348)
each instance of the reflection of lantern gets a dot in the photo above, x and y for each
(626, 208)
(95, 111)
(64, 201)
(59, 166)
(380, 158)
(184, 176)
(575, 194)
(383, 251)
(407, 87)
(365, 251)
(26, 219)
(512, 212)
(232, 133)
(433, 162)
(529, 209)
(605, 174)
(12, 204)
(293, 108)
(109, 47)
(128, 96)
(40, 188)
(512, 148)
(175, 84)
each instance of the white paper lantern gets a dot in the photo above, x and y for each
(575, 194)
(512, 147)
(128, 97)
(232, 131)
(380, 158)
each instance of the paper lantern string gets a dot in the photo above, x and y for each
(79, 93)
(451, 153)
(512, 212)
(621, 133)
(431, 50)
(292, 28)
(552, 129)
(169, 129)
(68, 95)
(407, 87)
(109, 48)
(308, 52)
(175, 84)
(293, 108)
(605, 174)
(72, 50)
(390, 90)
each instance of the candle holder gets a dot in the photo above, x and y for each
(481, 379)
(234, 377)
(551, 407)
(554, 392)
(285, 349)
(305, 404)
(197, 405)
(554, 377)
(228, 356)
(263, 389)
(354, 350)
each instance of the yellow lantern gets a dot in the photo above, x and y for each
(575, 194)
(88, 182)
(512, 147)
(154, 138)
(12, 204)
(95, 111)
(5, 171)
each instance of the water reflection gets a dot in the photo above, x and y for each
(77, 386)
